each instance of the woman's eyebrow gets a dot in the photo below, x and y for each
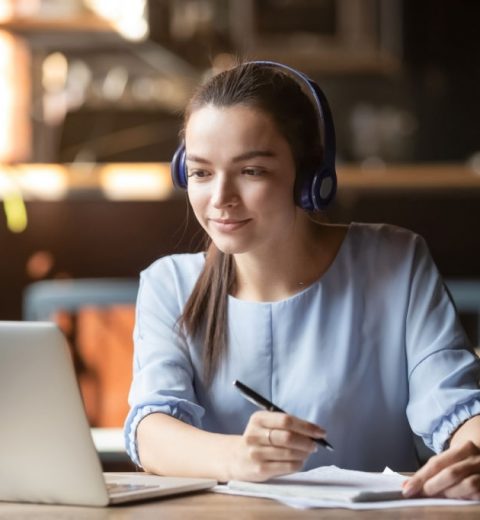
(196, 158)
(252, 154)
(242, 157)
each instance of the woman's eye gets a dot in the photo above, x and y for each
(255, 172)
(199, 174)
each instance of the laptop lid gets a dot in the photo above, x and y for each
(47, 453)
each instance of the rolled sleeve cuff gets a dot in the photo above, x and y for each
(185, 411)
(438, 440)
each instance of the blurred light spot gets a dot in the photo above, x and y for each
(46, 181)
(78, 81)
(6, 11)
(15, 212)
(133, 28)
(13, 205)
(80, 73)
(143, 89)
(127, 16)
(54, 72)
(26, 7)
(14, 99)
(139, 182)
(474, 163)
(191, 18)
(115, 83)
(39, 264)
(373, 163)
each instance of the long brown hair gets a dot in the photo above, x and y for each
(272, 91)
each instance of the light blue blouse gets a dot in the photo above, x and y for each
(371, 352)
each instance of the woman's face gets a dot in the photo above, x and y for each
(241, 175)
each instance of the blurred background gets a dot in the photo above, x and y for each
(91, 95)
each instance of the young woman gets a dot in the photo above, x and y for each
(348, 329)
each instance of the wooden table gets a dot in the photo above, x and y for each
(211, 506)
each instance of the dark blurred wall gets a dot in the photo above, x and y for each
(442, 57)
(431, 106)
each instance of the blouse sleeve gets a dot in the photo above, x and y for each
(443, 370)
(162, 369)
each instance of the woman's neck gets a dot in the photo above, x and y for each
(293, 266)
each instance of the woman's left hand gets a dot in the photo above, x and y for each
(454, 473)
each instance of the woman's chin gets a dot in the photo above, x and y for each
(230, 247)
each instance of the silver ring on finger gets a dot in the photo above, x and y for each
(269, 437)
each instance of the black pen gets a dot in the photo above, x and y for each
(261, 402)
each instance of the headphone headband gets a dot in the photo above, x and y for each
(318, 187)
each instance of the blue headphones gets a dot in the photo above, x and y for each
(319, 185)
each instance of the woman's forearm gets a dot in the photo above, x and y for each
(468, 431)
(272, 444)
(168, 446)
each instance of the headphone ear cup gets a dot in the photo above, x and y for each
(318, 190)
(178, 168)
(323, 188)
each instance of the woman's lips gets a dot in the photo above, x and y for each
(228, 224)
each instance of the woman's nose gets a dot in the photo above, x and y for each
(224, 192)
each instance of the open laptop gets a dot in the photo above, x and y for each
(46, 449)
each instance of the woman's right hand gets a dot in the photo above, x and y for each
(272, 444)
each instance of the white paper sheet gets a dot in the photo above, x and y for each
(330, 486)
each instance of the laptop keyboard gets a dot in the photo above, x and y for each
(114, 487)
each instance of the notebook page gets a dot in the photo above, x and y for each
(328, 483)
(317, 475)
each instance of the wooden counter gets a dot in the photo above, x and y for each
(209, 506)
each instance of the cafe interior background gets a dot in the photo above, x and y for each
(91, 94)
